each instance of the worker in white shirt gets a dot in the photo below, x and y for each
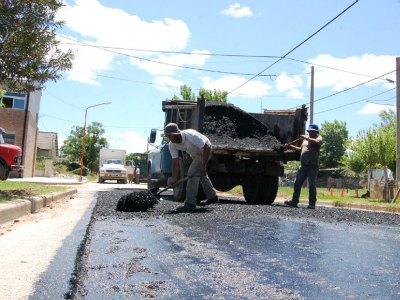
(198, 147)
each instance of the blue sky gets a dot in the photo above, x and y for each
(135, 54)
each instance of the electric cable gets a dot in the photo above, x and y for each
(351, 103)
(226, 55)
(173, 65)
(290, 51)
(345, 90)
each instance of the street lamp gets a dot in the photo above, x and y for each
(83, 136)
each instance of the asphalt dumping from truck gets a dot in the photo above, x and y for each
(230, 127)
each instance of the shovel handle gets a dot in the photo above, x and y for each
(170, 186)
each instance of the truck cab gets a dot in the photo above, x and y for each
(112, 165)
(10, 160)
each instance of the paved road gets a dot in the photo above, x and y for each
(38, 252)
(225, 251)
(236, 251)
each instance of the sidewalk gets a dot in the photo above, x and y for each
(11, 210)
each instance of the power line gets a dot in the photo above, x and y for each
(173, 65)
(105, 126)
(222, 55)
(353, 87)
(348, 89)
(335, 69)
(284, 56)
(351, 103)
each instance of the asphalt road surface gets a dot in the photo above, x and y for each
(235, 251)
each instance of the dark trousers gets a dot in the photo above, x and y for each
(310, 172)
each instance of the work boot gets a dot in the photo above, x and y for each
(187, 207)
(291, 203)
(311, 206)
(209, 201)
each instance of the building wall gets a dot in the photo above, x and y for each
(24, 124)
(12, 121)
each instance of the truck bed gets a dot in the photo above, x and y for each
(233, 131)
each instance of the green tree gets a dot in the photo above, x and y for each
(215, 95)
(94, 141)
(209, 95)
(29, 52)
(335, 136)
(375, 147)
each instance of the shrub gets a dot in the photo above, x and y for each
(77, 171)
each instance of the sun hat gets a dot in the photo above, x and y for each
(171, 129)
(313, 127)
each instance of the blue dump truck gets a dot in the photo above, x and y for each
(247, 148)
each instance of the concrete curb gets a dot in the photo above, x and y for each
(15, 209)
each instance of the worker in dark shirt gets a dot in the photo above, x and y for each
(309, 166)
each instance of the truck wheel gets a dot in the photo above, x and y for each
(150, 185)
(3, 172)
(252, 189)
(100, 180)
(271, 189)
(260, 189)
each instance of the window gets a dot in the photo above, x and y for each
(14, 100)
(9, 138)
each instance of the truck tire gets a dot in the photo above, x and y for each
(271, 186)
(3, 172)
(260, 189)
(150, 184)
(252, 189)
(100, 180)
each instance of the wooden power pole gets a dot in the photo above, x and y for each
(312, 96)
(397, 127)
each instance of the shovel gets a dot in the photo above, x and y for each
(281, 147)
(153, 190)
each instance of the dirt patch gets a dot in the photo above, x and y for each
(17, 193)
(230, 127)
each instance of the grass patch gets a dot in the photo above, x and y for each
(10, 190)
(349, 197)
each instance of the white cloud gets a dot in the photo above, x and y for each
(129, 141)
(375, 109)
(86, 64)
(367, 64)
(251, 89)
(290, 84)
(105, 26)
(237, 11)
(167, 84)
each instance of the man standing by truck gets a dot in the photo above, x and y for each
(198, 147)
(2, 131)
(309, 166)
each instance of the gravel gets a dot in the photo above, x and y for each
(230, 127)
(232, 207)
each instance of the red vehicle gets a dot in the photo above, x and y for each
(10, 160)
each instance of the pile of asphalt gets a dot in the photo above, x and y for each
(235, 207)
(230, 127)
(136, 201)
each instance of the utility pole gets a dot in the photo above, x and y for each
(312, 96)
(397, 128)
